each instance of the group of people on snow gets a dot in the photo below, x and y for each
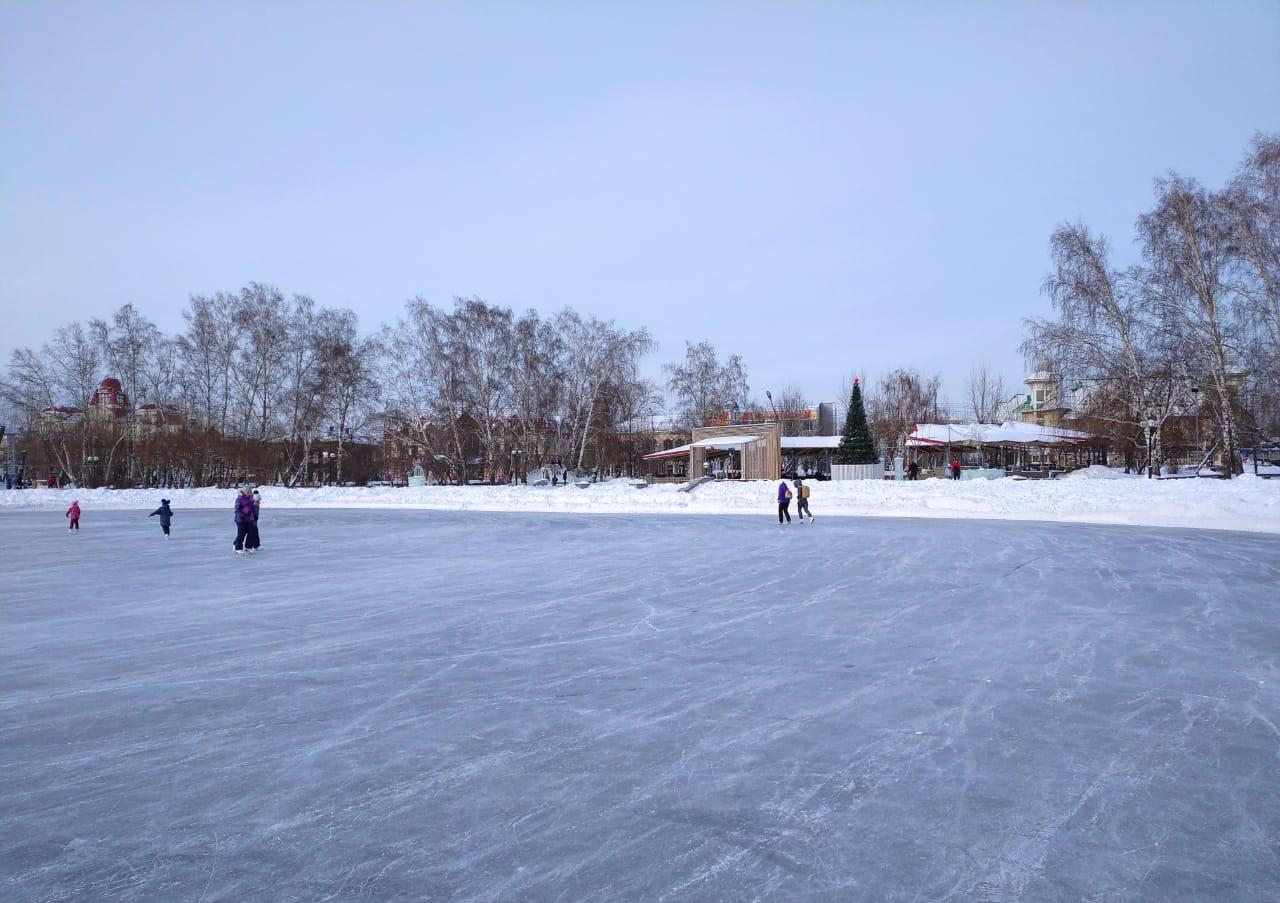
(802, 502)
(247, 510)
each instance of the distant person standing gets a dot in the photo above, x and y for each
(913, 471)
(802, 501)
(166, 515)
(245, 525)
(784, 502)
(955, 468)
(254, 543)
(73, 513)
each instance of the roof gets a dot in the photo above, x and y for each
(808, 442)
(725, 441)
(677, 452)
(720, 442)
(1010, 432)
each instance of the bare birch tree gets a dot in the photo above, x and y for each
(985, 393)
(1187, 244)
(702, 383)
(1106, 340)
(898, 402)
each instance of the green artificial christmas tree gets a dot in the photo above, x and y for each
(855, 442)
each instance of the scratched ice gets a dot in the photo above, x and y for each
(438, 706)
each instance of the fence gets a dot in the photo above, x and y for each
(857, 471)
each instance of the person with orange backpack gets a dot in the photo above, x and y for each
(802, 501)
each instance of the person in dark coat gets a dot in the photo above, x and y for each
(245, 524)
(254, 541)
(802, 501)
(166, 515)
(784, 502)
(913, 470)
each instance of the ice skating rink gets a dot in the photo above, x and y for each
(419, 705)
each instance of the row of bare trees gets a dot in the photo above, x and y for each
(1193, 328)
(481, 390)
(257, 379)
(252, 370)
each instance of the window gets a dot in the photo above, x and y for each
(1039, 396)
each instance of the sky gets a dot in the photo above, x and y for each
(822, 188)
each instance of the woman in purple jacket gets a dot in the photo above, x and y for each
(254, 541)
(784, 502)
(246, 524)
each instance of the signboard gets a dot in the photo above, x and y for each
(725, 418)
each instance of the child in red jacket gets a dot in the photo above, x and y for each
(74, 513)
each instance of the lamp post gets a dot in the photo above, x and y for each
(777, 419)
(1150, 425)
(1194, 389)
(776, 416)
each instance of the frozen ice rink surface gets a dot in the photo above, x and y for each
(435, 706)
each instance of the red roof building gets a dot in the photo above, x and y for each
(110, 398)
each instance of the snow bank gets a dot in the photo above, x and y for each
(1098, 472)
(1246, 503)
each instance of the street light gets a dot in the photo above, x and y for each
(1150, 426)
(776, 416)
(1194, 389)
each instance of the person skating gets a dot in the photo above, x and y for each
(254, 542)
(166, 515)
(74, 514)
(243, 511)
(802, 501)
(784, 502)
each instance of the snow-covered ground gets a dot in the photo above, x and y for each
(411, 706)
(1094, 496)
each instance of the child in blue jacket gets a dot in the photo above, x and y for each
(166, 515)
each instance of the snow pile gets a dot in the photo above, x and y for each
(1098, 472)
(1246, 503)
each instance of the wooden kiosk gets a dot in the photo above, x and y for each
(758, 444)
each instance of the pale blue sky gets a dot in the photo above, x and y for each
(816, 186)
